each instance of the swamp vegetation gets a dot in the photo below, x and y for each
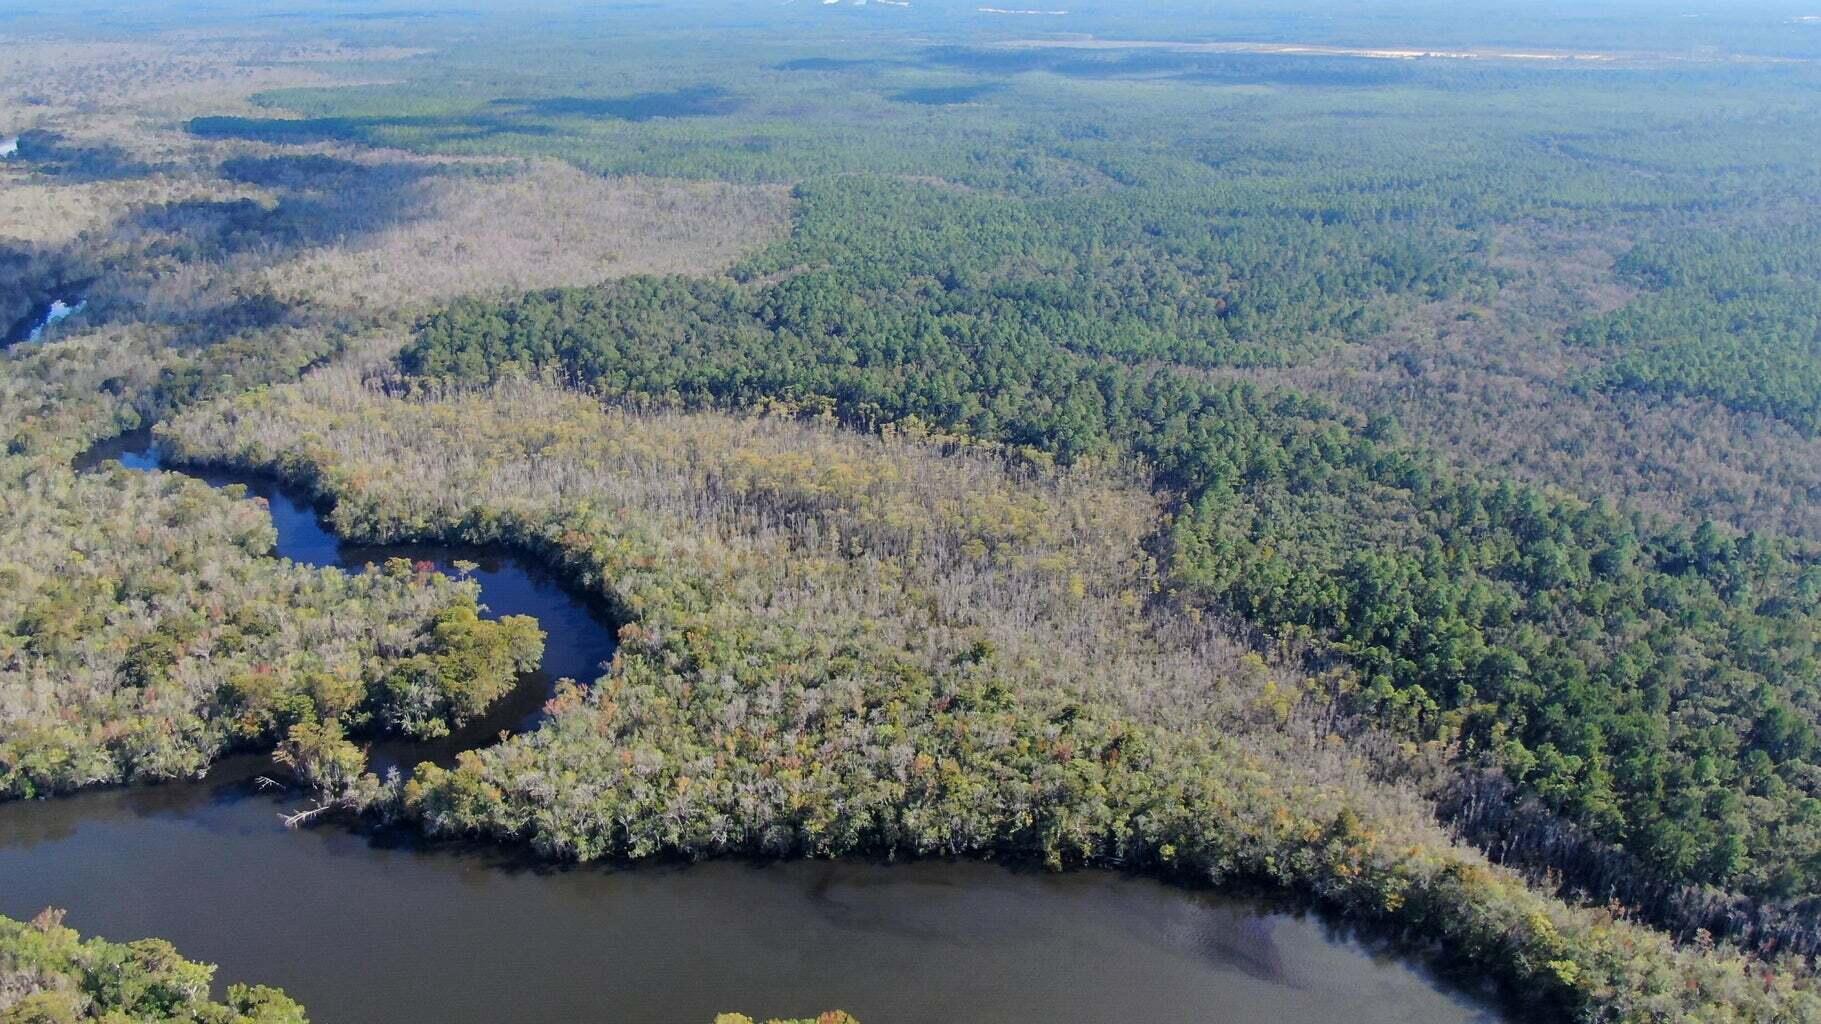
(1392, 481)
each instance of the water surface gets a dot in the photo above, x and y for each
(361, 933)
(580, 633)
(42, 319)
(371, 929)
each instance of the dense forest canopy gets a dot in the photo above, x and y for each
(1241, 437)
(846, 646)
(1551, 632)
(1469, 605)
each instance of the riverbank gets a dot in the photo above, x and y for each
(1012, 748)
(388, 930)
(195, 862)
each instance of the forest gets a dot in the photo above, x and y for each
(1250, 458)
(838, 647)
(146, 633)
(1598, 658)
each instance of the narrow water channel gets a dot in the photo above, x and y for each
(581, 634)
(42, 319)
(365, 929)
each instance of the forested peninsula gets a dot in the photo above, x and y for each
(1378, 471)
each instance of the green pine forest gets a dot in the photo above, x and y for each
(1112, 441)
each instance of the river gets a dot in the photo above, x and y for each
(390, 928)
(42, 319)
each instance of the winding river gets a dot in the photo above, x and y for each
(390, 928)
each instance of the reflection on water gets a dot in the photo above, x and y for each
(43, 318)
(366, 931)
(388, 929)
